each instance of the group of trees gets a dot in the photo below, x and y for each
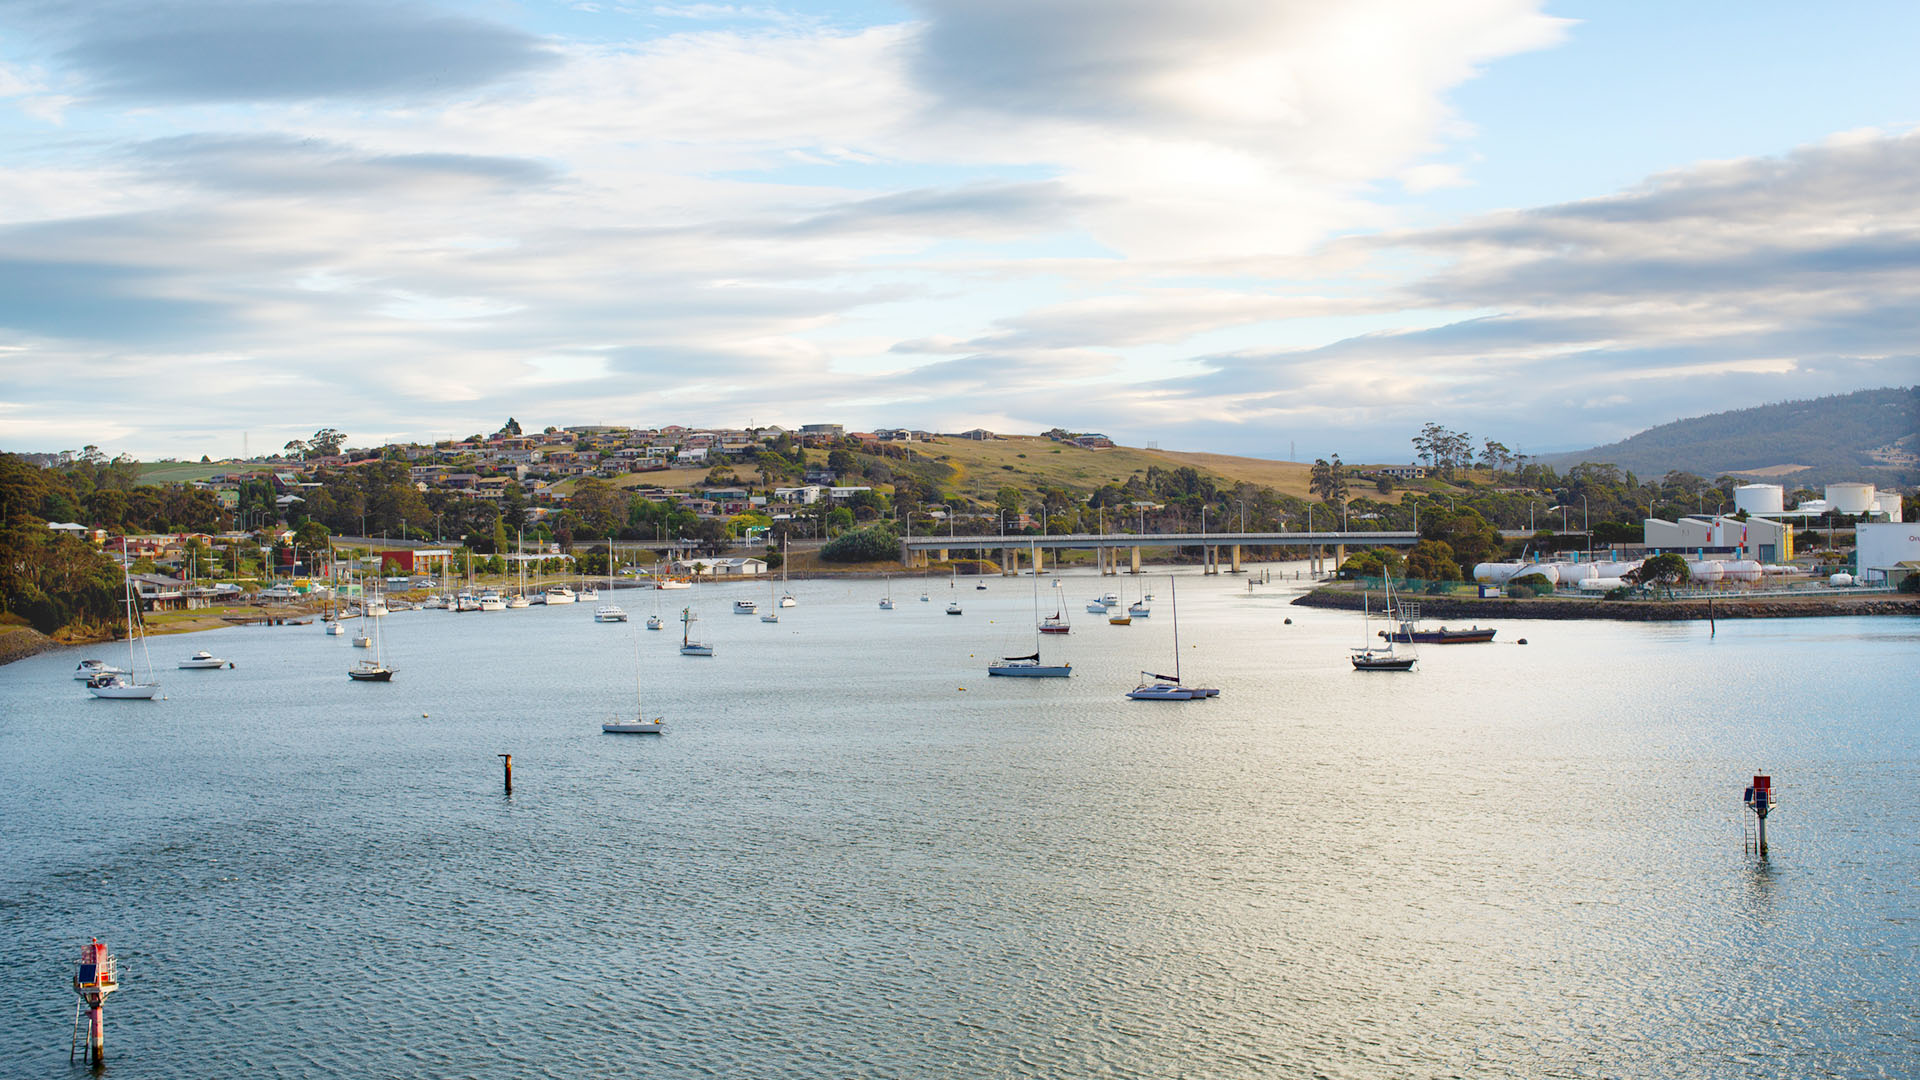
(1447, 451)
(325, 443)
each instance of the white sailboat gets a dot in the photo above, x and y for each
(1030, 666)
(772, 614)
(125, 685)
(886, 601)
(1157, 687)
(639, 725)
(786, 595)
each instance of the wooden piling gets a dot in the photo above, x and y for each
(506, 767)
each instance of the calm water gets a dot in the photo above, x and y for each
(854, 855)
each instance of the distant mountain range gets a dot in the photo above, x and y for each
(1870, 435)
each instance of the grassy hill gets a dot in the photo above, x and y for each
(1871, 435)
(1032, 462)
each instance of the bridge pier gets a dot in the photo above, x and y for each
(1236, 558)
(1136, 558)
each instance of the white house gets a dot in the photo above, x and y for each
(804, 495)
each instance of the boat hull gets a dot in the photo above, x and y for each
(1397, 663)
(1475, 636)
(1031, 671)
(656, 728)
(125, 693)
(372, 675)
(202, 665)
(696, 650)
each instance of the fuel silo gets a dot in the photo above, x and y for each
(1759, 498)
(1850, 498)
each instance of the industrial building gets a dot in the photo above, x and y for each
(1760, 538)
(1886, 552)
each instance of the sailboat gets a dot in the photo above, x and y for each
(772, 614)
(1139, 609)
(1368, 658)
(688, 646)
(1157, 687)
(786, 596)
(953, 584)
(1030, 666)
(639, 725)
(886, 602)
(125, 685)
(374, 668)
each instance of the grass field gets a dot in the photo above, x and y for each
(178, 472)
(1033, 462)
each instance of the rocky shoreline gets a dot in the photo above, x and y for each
(1732, 607)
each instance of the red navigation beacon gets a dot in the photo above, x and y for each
(97, 977)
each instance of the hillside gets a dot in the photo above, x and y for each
(1032, 462)
(1871, 435)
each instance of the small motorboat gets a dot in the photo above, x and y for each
(87, 669)
(654, 622)
(609, 613)
(953, 608)
(363, 642)
(745, 607)
(203, 660)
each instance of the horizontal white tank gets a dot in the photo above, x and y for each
(1499, 573)
(1760, 498)
(1705, 572)
(1601, 584)
(1746, 570)
(1545, 570)
(1570, 574)
(1850, 498)
(1840, 579)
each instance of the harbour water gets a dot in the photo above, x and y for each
(854, 855)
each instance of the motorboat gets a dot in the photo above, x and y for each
(364, 641)
(745, 607)
(953, 608)
(980, 586)
(559, 594)
(672, 583)
(609, 613)
(1097, 607)
(1408, 631)
(466, 602)
(203, 660)
(654, 622)
(87, 669)
(334, 629)
(492, 601)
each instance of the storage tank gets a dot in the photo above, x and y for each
(1705, 572)
(1850, 498)
(1842, 578)
(1570, 574)
(1601, 584)
(1496, 573)
(1888, 503)
(1760, 498)
(1746, 570)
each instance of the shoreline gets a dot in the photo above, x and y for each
(1690, 610)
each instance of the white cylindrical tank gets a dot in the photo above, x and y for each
(1706, 572)
(1570, 574)
(1888, 503)
(1842, 578)
(1760, 498)
(1747, 570)
(1496, 573)
(1601, 584)
(1850, 498)
(1545, 570)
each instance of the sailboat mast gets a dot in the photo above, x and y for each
(1173, 596)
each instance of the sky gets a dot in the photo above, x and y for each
(1279, 228)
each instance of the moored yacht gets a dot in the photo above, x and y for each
(492, 601)
(87, 669)
(609, 613)
(559, 594)
(203, 660)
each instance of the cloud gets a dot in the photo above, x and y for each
(97, 301)
(286, 165)
(292, 51)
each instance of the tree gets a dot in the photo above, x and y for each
(840, 461)
(326, 442)
(871, 544)
(1329, 481)
(1432, 560)
(295, 448)
(1466, 534)
(511, 427)
(1664, 571)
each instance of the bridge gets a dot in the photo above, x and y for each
(1108, 547)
